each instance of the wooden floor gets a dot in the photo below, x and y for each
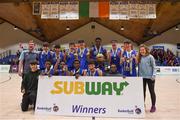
(167, 92)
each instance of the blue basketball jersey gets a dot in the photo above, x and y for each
(101, 67)
(82, 56)
(115, 58)
(70, 60)
(129, 65)
(79, 71)
(62, 73)
(46, 72)
(95, 51)
(54, 57)
(43, 57)
(92, 74)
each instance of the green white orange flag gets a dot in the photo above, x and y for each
(94, 9)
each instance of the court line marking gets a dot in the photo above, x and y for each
(6, 80)
(178, 80)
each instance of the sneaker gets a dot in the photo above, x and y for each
(31, 106)
(153, 109)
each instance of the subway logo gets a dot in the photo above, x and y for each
(88, 88)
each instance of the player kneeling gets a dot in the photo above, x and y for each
(29, 87)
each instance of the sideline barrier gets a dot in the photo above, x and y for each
(91, 96)
(160, 70)
(4, 68)
(168, 70)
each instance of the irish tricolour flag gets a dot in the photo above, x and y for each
(94, 9)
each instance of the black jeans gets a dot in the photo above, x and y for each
(151, 85)
(28, 99)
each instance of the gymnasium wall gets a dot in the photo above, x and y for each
(10, 38)
(168, 39)
(88, 34)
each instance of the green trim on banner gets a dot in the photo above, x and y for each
(84, 8)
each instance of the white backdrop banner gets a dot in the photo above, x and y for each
(4, 68)
(124, 10)
(133, 11)
(46, 9)
(91, 96)
(151, 11)
(63, 10)
(69, 10)
(54, 12)
(114, 10)
(160, 70)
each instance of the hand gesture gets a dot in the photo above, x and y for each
(23, 91)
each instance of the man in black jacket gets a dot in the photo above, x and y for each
(29, 86)
(113, 71)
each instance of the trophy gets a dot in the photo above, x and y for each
(76, 55)
(127, 64)
(100, 57)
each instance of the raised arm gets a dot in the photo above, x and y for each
(21, 60)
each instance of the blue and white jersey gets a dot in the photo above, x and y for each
(55, 57)
(129, 54)
(115, 57)
(101, 67)
(129, 65)
(82, 56)
(89, 73)
(43, 57)
(70, 60)
(78, 71)
(96, 51)
(62, 73)
(47, 72)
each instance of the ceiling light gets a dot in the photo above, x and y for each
(122, 28)
(67, 28)
(177, 28)
(15, 28)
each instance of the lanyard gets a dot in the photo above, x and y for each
(76, 71)
(57, 56)
(47, 71)
(92, 74)
(114, 52)
(82, 52)
(128, 54)
(99, 51)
